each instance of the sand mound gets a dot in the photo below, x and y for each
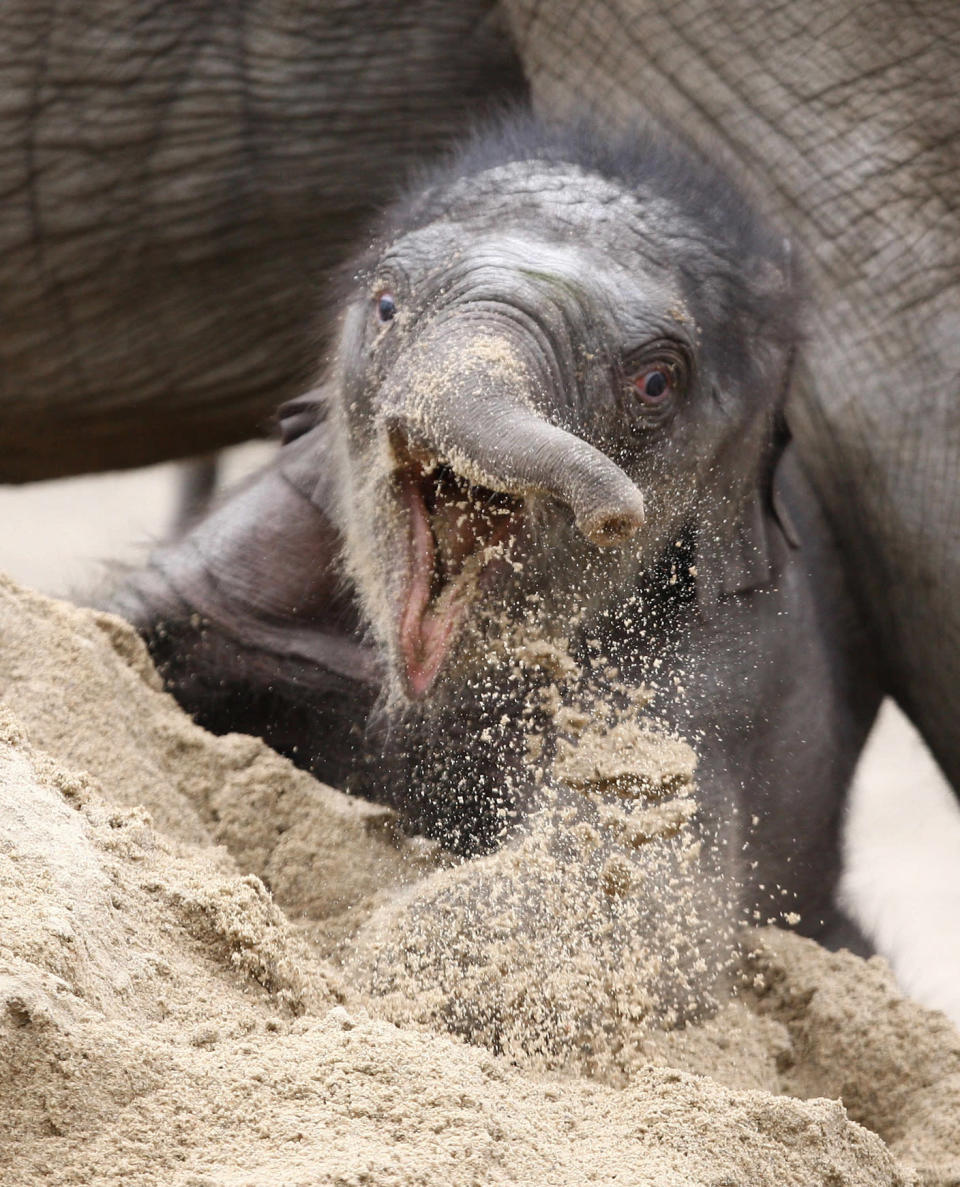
(165, 1018)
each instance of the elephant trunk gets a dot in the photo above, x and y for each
(473, 405)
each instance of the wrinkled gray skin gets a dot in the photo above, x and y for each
(677, 536)
(178, 182)
(179, 179)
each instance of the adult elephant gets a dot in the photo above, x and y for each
(178, 182)
(845, 119)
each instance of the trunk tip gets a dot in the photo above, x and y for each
(610, 527)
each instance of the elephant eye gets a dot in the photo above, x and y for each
(656, 383)
(386, 307)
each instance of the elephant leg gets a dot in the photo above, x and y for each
(840, 931)
(196, 484)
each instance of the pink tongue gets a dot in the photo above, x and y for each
(425, 634)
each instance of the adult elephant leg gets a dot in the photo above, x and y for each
(196, 486)
(178, 182)
(845, 120)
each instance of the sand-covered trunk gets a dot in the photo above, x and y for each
(214, 970)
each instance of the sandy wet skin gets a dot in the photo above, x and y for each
(165, 1019)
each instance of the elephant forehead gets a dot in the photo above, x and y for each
(581, 274)
(463, 261)
(577, 280)
(553, 188)
(565, 202)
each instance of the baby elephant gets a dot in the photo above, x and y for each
(551, 441)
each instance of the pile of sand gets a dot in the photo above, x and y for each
(197, 958)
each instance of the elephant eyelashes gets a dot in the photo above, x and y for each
(386, 307)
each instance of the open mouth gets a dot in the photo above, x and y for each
(458, 532)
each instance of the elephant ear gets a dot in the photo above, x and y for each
(299, 416)
(305, 456)
(742, 535)
(752, 314)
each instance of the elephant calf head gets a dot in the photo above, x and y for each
(558, 358)
(555, 358)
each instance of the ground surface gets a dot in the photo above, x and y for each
(166, 1019)
(903, 878)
